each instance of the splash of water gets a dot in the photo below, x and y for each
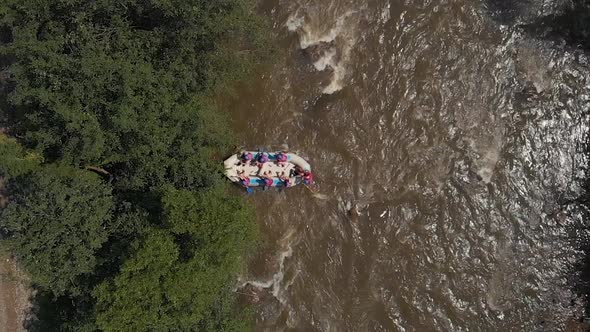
(342, 35)
(275, 284)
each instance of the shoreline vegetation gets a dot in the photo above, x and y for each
(112, 200)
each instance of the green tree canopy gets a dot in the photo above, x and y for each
(15, 160)
(58, 217)
(178, 277)
(120, 84)
(124, 87)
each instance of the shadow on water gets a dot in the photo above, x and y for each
(571, 25)
(580, 237)
(508, 12)
(582, 284)
(563, 23)
(583, 287)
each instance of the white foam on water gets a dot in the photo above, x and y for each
(327, 60)
(294, 22)
(336, 84)
(311, 34)
(308, 36)
(275, 283)
(490, 155)
(348, 39)
(385, 15)
(342, 34)
(488, 163)
(320, 196)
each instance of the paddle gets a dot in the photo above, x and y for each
(316, 194)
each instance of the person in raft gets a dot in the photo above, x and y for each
(246, 157)
(268, 180)
(262, 158)
(307, 178)
(282, 159)
(286, 180)
(244, 179)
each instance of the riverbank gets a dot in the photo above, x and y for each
(117, 206)
(14, 295)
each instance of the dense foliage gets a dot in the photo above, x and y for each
(119, 84)
(116, 205)
(192, 260)
(15, 160)
(58, 217)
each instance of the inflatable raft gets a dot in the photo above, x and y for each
(291, 169)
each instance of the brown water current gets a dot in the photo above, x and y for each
(443, 142)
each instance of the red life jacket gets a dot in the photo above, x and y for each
(308, 178)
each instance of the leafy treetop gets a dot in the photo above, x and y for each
(58, 217)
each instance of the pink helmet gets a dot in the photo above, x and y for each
(247, 156)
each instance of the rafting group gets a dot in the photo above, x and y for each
(268, 169)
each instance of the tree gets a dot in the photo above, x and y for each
(122, 84)
(15, 160)
(178, 278)
(124, 88)
(57, 218)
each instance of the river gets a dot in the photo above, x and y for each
(442, 139)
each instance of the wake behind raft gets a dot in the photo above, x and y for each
(267, 169)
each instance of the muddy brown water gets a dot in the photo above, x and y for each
(442, 141)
